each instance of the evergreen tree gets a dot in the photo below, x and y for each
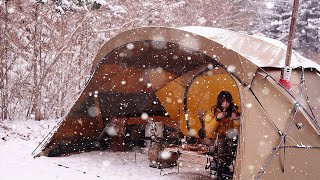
(308, 26)
(279, 21)
(307, 30)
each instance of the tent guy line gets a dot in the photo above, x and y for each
(313, 120)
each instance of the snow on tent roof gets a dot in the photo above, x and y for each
(262, 51)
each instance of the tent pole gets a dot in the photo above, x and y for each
(185, 97)
(286, 71)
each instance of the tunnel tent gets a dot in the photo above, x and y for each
(156, 70)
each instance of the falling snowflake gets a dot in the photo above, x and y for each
(168, 100)
(111, 131)
(11, 10)
(231, 133)
(144, 116)
(250, 74)
(251, 167)
(231, 68)
(190, 42)
(92, 111)
(130, 46)
(179, 100)
(165, 154)
(123, 82)
(149, 85)
(192, 132)
(249, 105)
(158, 42)
(140, 79)
(159, 70)
(210, 66)
(175, 57)
(96, 144)
(209, 73)
(265, 91)
(122, 54)
(202, 20)
(270, 5)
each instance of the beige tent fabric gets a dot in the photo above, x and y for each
(259, 137)
(230, 59)
(267, 109)
(305, 87)
(262, 51)
(256, 133)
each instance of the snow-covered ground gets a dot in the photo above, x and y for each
(20, 138)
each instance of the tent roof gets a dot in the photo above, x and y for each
(260, 51)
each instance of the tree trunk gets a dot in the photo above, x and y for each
(36, 104)
(4, 68)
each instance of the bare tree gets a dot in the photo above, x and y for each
(3, 63)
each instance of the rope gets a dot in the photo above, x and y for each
(316, 124)
(267, 163)
(264, 110)
(303, 147)
(304, 92)
(46, 139)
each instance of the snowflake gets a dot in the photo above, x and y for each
(159, 70)
(270, 5)
(192, 132)
(158, 42)
(144, 116)
(210, 66)
(92, 111)
(251, 167)
(202, 20)
(231, 68)
(111, 131)
(130, 46)
(265, 91)
(123, 82)
(165, 154)
(190, 42)
(249, 105)
(168, 100)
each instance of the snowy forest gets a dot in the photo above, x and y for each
(47, 47)
(82, 97)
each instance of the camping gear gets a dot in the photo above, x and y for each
(172, 73)
(159, 158)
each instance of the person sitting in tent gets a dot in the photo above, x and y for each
(223, 138)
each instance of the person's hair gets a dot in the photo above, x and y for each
(226, 95)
